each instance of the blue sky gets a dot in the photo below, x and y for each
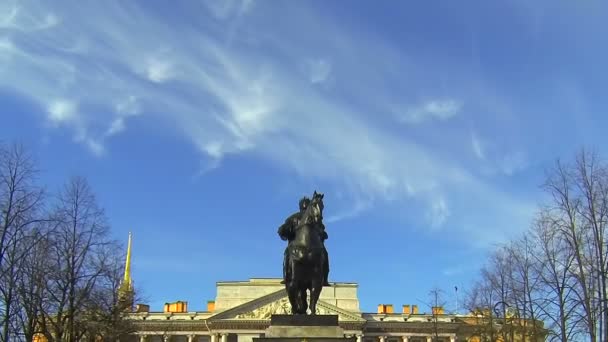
(200, 124)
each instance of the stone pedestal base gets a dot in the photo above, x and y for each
(304, 328)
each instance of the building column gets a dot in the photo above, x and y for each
(382, 338)
(224, 337)
(142, 338)
(429, 339)
(166, 338)
(405, 338)
(453, 338)
(213, 337)
(359, 337)
(191, 338)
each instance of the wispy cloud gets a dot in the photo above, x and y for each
(432, 110)
(358, 206)
(230, 93)
(513, 162)
(229, 8)
(319, 70)
(62, 111)
(477, 146)
(438, 212)
(497, 159)
(159, 69)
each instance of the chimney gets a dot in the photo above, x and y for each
(437, 310)
(210, 305)
(385, 308)
(142, 308)
(176, 307)
(406, 309)
(415, 309)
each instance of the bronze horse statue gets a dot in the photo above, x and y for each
(306, 259)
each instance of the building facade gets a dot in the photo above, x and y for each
(242, 311)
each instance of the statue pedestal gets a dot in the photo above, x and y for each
(296, 328)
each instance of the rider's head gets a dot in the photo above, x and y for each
(304, 202)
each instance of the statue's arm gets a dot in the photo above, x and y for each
(284, 231)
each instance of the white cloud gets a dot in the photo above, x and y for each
(6, 44)
(438, 213)
(477, 146)
(243, 97)
(61, 111)
(432, 110)
(319, 71)
(159, 70)
(117, 126)
(8, 14)
(95, 146)
(125, 108)
(513, 162)
(13, 16)
(225, 9)
(128, 106)
(214, 149)
(354, 210)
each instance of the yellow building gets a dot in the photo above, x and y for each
(242, 311)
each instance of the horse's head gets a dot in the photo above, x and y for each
(316, 206)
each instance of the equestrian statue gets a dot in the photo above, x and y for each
(306, 262)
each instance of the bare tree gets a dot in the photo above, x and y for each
(59, 271)
(499, 276)
(554, 262)
(437, 303)
(32, 287)
(557, 271)
(525, 283)
(591, 178)
(480, 300)
(579, 210)
(20, 200)
(78, 260)
(109, 303)
(506, 295)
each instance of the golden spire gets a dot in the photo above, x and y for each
(125, 291)
(127, 283)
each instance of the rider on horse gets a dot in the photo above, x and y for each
(286, 233)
